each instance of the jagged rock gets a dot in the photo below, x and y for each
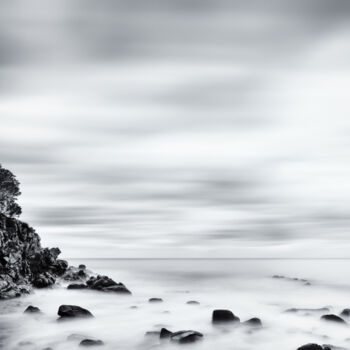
(91, 342)
(32, 310)
(73, 311)
(253, 322)
(333, 318)
(164, 333)
(77, 286)
(23, 262)
(223, 316)
(184, 337)
(106, 284)
(44, 280)
(155, 300)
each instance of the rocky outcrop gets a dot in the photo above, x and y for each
(23, 262)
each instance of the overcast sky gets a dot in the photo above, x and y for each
(179, 128)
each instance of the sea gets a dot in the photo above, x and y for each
(263, 288)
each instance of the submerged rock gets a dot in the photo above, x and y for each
(333, 318)
(193, 302)
(224, 316)
(184, 337)
(345, 312)
(253, 322)
(91, 342)
(73, 311)
(295, 310)
(77, 286)
(32, 310)
(155, 300)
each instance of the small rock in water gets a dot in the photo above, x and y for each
(155, 300)
(91, 342)
(345, 312)
(333, 318)
(82, 267)
(253, 322)
(32, 310)
(193, 302)
(310, 346)
(184, 337)
(77, 286)
(223, 316)
(73, 311)
(165, 333)
(106, 284)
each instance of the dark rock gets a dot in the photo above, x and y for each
(222, 316)
(155, 300)
(82, 267)
(333, 318)
(23, 262)
(106, 284)
(345, 312)
(73, 311)
(193, 302)
(164, 333)
(77, 286)
(91, 342)
(75, 274)
(310, 346)
(253, 322)
(184, 337)
(32, 310)
(44, 280)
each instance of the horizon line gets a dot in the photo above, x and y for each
(259, 258)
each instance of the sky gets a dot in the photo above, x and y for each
(185, 129)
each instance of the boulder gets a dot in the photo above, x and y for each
(73, 311)
(333, 318)
(224, 316)
(310, 346)
(32, 310)
(185, 337)
(91, 342)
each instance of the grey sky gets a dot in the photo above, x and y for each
(179, 128)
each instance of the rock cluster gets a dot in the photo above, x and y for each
(23, 262)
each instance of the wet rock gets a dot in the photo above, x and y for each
(32, 310)
(333, 318)
(253, 322)
(44, 280)
(185, 337)
(155, 300)
(91, 342)
(77, 286)
(73, 311)
(165, 333)
(310, 346)
(345, 312)
(193, 302)
(224, 316)
(106, 284)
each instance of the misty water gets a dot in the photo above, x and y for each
(244, 286)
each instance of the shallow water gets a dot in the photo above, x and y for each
(244, 286)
